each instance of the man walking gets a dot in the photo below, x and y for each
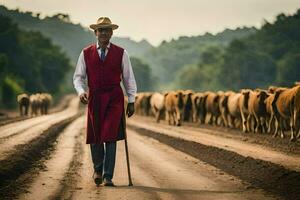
(104, 65)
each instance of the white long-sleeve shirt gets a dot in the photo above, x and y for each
(80, 76)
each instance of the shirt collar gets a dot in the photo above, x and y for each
(98, 47)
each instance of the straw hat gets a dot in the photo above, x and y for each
(103, 22)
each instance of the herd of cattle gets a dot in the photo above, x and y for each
(38, 103)
(261, 111)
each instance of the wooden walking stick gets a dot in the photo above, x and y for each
(127, 154)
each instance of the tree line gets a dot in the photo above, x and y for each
(233, 59)
(29, 62)
(169, 58)
(270, 56)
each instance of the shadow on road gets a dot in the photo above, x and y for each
(173, 190)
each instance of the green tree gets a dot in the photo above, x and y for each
(3, 66)
(288, 69)
(3, 72)
(244, 67)
(28, 62)
(48, 63)
(270, 56)
(10, 89)
(204, 75)
(143, 75)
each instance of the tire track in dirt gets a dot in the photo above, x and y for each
(26, 157)
(51, 179)
(68, 183)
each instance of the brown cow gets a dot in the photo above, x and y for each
(174, 107)
(285, 122)
(212, 107)
(234, 113)
(198, 107)
(145, 104)
(23, 101)
(188, 105)
(271, 120)
(273, 89)
(287, 106)
(142, 104)
(223, 106)
(257, 109)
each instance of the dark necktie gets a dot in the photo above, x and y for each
(102, 55)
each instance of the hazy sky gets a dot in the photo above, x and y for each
(158, 20)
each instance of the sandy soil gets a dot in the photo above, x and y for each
(158, 171)
(48, 181)
(47, 158)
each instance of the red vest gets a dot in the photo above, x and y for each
(106, 100)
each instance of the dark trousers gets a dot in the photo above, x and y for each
(104, 157)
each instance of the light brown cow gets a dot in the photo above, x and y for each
(257, 109)
(174, 107)
(243, 107)
(234, 113)
(287, 106)
(157, 103)
(23, 101)
(212, 107)
(35, 103)
(46, 100)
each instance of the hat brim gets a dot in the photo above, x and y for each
(96, 26)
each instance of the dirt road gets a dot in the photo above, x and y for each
(158, 171)
(166, 163)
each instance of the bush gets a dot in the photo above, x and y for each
(10, 90)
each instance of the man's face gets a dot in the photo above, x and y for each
(103, 34)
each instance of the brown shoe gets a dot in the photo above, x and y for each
(108, 182)
(97, 178)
